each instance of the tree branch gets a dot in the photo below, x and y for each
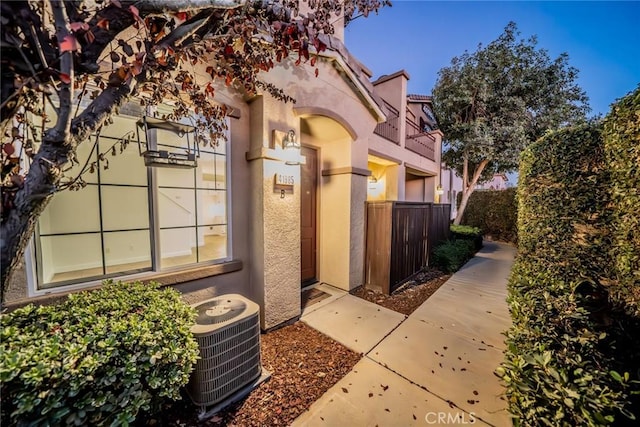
(65, 92)
(184, 31)
(465, 171)
(101, 108)
(160, 6)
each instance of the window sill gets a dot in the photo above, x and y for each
(196, 273)
(165, 279)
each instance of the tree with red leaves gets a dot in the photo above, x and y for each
(56, 53)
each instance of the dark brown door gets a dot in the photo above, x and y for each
(308, 187)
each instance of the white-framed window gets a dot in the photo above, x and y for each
(131, 220)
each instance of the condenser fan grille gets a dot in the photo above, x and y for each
(218, 311)
(227, 330)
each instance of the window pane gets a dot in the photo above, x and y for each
(124, 168)
(212, 207)
(212, 243)
(70, 257)
(124, 208)
(85, 155)
(221, 172)
(127, 250)
(221, 148)
(72, 212)
(174, 177)
(176, 207)
(122, 127)
(206, 171)
(177, 247)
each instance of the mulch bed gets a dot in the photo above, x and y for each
(410, 295)
(303, 363)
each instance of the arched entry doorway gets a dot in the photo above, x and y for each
(326, 144)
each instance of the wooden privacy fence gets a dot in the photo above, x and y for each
(399, 238)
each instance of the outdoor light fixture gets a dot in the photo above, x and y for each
(439, 190)
(291, 146)
(185, 156)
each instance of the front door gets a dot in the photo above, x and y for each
(308, 187)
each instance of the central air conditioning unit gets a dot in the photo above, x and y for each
(227, 330)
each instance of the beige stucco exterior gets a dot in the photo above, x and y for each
(337, 114)
(404, 159)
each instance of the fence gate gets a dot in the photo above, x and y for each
(399, 238)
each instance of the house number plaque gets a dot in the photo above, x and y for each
(283, 184)
(284, 181)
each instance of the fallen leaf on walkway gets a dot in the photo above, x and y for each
(370, 394)
(384, 387)
(344, 390)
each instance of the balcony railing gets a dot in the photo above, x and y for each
(390, 129)
(420, 142)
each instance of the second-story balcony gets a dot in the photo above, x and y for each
(419, 141)
(390, 130)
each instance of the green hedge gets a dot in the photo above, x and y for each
(572, 353)
(494, 212)
(451, 255)
(622, 149)
(98, 358)
(466, 232)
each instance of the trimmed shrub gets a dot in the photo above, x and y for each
(466, 232)
(98, 358)
(452, 255)
(494, 212)
(622, 149)
(571, 358)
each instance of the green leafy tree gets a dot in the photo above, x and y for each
(56, 52)
(493, 102)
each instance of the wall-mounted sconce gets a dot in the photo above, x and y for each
(291, 147)
(439, 193)
(372, 181)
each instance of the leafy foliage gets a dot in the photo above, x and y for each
(98, 358)
(452, 254)
(622, 150)
(99, 54)
(466, 232)
(494, 212)
(571, 357)
(493, 102)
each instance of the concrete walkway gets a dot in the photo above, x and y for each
(434, 367)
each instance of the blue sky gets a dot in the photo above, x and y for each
(602, 39)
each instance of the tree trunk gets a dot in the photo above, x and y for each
(30, 201)
(467, 190)
(463, 205)
(44, 176)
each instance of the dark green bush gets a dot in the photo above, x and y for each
(494, 212)
(98, 358)
(571, 356)
(452, 255)
(622, 150)
(466, 232)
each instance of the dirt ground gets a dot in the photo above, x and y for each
(410, 295)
